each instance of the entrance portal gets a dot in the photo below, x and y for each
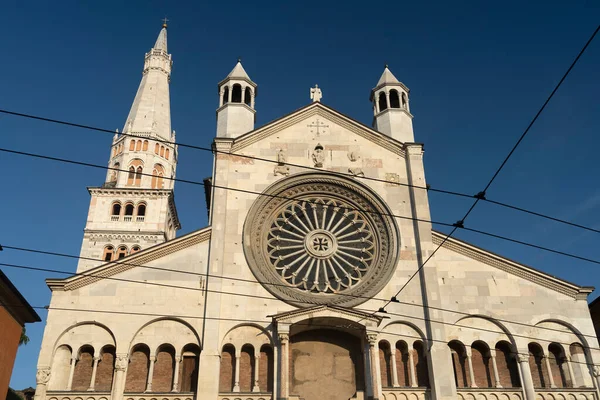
(326, 365)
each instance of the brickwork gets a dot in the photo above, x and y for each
(421, 369)
(539, 371)
(82, 376)
(265, 369)
(162, 378)
(188, 377)
(385, 364)
(104, 374)
(246, 369)
(459, 361)
(402, 364)
(557, 367)
(227, 369)
(137, 371)
(507, 367)
(481, 365)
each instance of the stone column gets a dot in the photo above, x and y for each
(471, 372)
(176, 373)
(411, 368)
(119, 380)
(495, 368)
(387, 98)
(394, 367)
(374, 356)
(527, 380)
(221, 98)
(71, 372)
(94, 370)
(550, 377)
(229, 90)
(236, 380)
(284, 369)
(256, 387)
(252, 98)
(150, 373)
(42, 377)
(567, 361)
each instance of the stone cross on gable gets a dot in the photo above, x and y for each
(316, 94)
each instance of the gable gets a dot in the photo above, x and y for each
(142, 258)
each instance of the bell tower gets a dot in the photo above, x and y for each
(236, 114)
(135, 207)
(391, 108)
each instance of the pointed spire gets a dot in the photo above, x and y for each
(161, 41)
(238, 71)
(387, 77)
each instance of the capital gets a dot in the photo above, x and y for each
(596, 371)
(372, 338)
(42, 376)
(121, 362)
(283, 337)
(523, 357)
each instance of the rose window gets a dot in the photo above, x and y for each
(312, 239)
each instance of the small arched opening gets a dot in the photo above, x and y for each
(82, 374)
(189, 368)
(247, 365)
(480, 358)
(135, 249)
(106, 366)
(116, 209)
(129, 209)
(421, 369)
(132, 145)
(131, 176)
(539, 372)
(506, 362)
(266, 369)
(121, 252)
(459, 363)
(558, 367)
(382, 102)
(403, 365)
(248, 96)
(385, 363)
(138, 176)
(108, 254)
(162, 382)
(226, 95)
(236, 93)
(404, 101)
(394, 99)
(227, 369)
(137, 371)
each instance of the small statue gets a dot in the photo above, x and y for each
(353, 156)
(281, 168)
(318, 156)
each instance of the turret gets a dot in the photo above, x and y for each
(391, 108)
(236, 114)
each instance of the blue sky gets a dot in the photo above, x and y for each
(478, 72)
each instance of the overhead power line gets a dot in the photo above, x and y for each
(237, 279)
(455, 225)
(215, 151)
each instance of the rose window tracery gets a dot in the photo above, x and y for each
(313, 239)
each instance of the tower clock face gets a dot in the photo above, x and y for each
(315, 239)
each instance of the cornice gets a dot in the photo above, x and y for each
(141, 258)
(378, 87)
(512, 267)
(101, 191)
(314, 311)
(332, 115)
(243, 105)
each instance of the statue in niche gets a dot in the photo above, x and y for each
(281, 168)
(318, 156)
(355, 170)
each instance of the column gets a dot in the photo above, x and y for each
(119, 378)
(284, 370)
(550, 377)
(150, 373)
(176, 373)
(71, 372)
(387, 98)
(394, 368)
(230, 89)
(256, 387)
(374, 356)
(252, 98)
(42, 377)
(471, 373)
(411, 368)
(221, 98)
(243, 95)
(495, 368)
(94, 370)
(527, 380)
(567, 361)
(236, 384)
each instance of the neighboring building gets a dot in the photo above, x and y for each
(15, 312)
(277, 297)
(595, 314)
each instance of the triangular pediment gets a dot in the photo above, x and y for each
(368, 320)
(511, 267)
(327, 113)
(140, 259)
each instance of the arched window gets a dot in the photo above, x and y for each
(385, 364)
(82, 375)
(459, 362)
(165, 363)
(114, 173)
(156, 148)
(539, 372)
(120, 147)
(135, 249)
(121, 252)
(162, 151)
(506, 362)
(61, 366)
(248, 96)
(247, 365)
(145, 145)
(138, 145)
(226, 95)
(138, 176)
(403, 365)
(404, 101)
(116, 210)
(137, 370)
(167, 154)
(189, 368)
(105, 369)
(394, 99)
(227, 369)
(129, 209)
(157, 176)
(480, 358)
(556, 358)
(109, 251)
(132, 145)
(421, 369)
(236, 93)
(131, 176)
(141, 213)
(265, 369)
(382, 102)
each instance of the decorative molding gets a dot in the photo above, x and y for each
(350, 314)
(512, 267)
(331, 115)
(141, 258)
(42, 376)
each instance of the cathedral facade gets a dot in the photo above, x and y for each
(306, 282)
